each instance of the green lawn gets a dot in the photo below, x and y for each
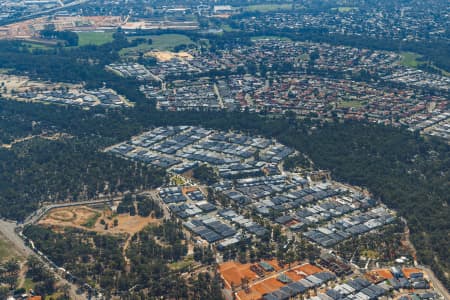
(163, 42)
(268, 7)
(409, 59)
(94, 38)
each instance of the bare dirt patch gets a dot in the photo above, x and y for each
(101, 221)
(29, 29)
(309, 269)
(167, 55)
(408, 271)
(234, 272)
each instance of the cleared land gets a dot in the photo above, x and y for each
(87, 218)
(29, 29)
(233, 273)
(408, 271)
(22, 84)
(94, 38)
(167, 55)
(7, 251)
(382, 274)
(269, 283)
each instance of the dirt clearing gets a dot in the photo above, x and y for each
(167, 55)
(101, 221)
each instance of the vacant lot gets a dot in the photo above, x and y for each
(101, 221)
(234, 272)
(270, 283)
(308, 269)
(408, 271)
(167, 55)
(23, 83)
(379, 275)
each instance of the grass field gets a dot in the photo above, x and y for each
(412, 60)
(409, 59)
(163, 42)
(94, 38)
(268, 7)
